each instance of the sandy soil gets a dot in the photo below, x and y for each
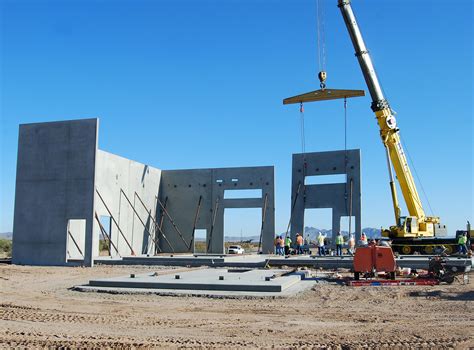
(37, 309)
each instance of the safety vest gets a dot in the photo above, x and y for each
(321, 240)
(299, 240)
(351, 242)
(462, 240)
(339, 239)
(288, 241)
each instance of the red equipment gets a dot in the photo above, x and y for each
(372, 259)
(406, 282)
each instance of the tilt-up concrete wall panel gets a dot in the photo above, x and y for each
(343, 198)
(180, 193)
(119, 179)
(54, 183)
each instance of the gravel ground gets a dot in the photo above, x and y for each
(38, 309)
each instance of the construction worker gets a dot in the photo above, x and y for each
(299, 244)
(287, 245)
(321, 249)
(282, 246)
(351, 244)
(277, 245)
(363, 239)
(339, 243)
(462, 240)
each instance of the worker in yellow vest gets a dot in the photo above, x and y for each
(339, 243)
(462, 240)
(321, 249)
(287, 245)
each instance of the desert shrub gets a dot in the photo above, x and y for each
(103, 245)
(5, 247)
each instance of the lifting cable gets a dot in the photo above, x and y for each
(345, 150)
(346, 161)
(303, 149)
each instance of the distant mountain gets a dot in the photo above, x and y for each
(244, 238)
(6, 235)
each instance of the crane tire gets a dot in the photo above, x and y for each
(428, 249)
(407, 250)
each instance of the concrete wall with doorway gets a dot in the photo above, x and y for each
(194, 199)
(54, 183)
(343, 196)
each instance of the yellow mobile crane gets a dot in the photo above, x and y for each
(415, 232)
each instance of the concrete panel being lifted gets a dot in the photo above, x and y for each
(343, 198)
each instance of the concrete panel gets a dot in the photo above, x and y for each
(55, 183)
(181, 190)
(137, 181)
(343, 198)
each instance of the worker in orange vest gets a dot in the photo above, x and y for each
(299, 244)
(277, 245)
(351, 244)
(282, 246)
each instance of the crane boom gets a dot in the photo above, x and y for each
(389, 133)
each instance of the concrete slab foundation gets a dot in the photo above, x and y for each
(208, 282)
(249, 280)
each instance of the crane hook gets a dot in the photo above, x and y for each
(322, 78)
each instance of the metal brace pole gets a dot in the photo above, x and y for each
(292, 209)
(264, 214)
(156, 225)
(350, 206)
(196, 217)
(115, 222)
(104, 233)
(213, 223)
(173, 223)
(138, 216)
(75, 243)
(162, 216)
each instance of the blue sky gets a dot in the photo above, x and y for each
(196, 84)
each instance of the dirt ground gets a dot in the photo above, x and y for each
(38, 309)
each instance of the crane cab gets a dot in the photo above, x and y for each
(407, 226)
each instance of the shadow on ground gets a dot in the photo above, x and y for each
(438, 294)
